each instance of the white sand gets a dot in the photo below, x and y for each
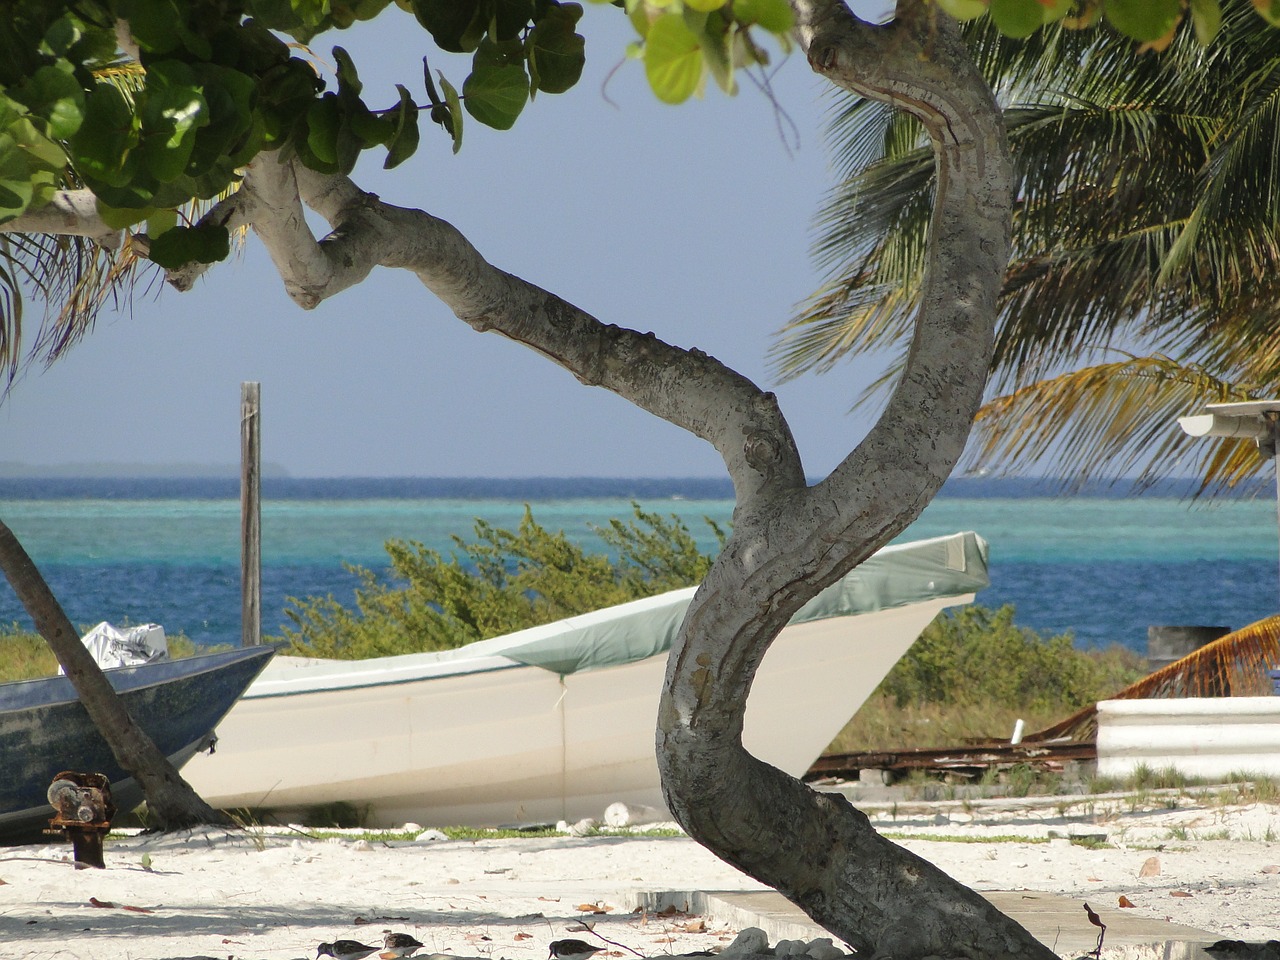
(215, 894)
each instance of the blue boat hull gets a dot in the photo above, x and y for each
(44, 728)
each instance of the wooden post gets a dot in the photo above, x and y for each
(250, 516)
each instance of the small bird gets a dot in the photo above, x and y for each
(571, 950)
(345, 950)
(397, 945)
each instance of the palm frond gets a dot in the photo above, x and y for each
(1147, 210)
(1235, 664)
(1110, 420)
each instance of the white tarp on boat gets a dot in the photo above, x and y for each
(895, 576)
(112, 647)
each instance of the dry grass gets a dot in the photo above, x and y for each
(882, 725)
(25, 656)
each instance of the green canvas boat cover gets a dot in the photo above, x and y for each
(949, 566)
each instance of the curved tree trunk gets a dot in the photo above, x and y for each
(170, 800)
(788, 543)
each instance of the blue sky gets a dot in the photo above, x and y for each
(693, 222)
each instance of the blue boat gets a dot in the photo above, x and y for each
(44, 729)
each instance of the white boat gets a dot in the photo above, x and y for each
(557, 722)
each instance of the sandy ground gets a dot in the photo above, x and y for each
(215, 894)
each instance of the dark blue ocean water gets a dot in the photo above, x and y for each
(1100, 565)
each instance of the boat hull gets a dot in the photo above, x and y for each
(520, 744)
(44, 729)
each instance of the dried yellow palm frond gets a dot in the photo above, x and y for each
(1234, 665)
(1118, 417)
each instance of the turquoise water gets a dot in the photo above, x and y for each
(1103, 569)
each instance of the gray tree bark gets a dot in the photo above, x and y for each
(171, 802)
(789, 539)
(788, 543)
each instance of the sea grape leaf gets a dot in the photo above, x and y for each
(53, 93)
(1206, 17)
(1017, 18)
(323, 120)
(454, 105)
(117, 218)
(1269, 10)
(229, 97)
(1145, 20)
(498, 87)
(16, 190)
(510, 18)
(404, 137)
(205, 243)
(109, 132)
(672, 59)
(776, 16)
(717, 52)
(556, 50)
(172, 110)
(960, 9)
(447, 21)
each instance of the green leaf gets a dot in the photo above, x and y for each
(161, 222)
(717, 53)
(229, 97)
(16, 190)
(172, 110)
(275, 14)
(496, 91)
(160, 26)
(1206, 17)
(54, 94)
(704, 6)
(40, 150)
(207, 243)
(454, 105)
(404, 139)
(672, 59)
(511, 18)
(447, 21)
(348, 80)
(101, 147)
(1018, 18)
(117, 218)
(1143, 20)
(1269, 10)
(556, 51)
(323, 121)
(775, 16)
(964, 9)
(61, 35)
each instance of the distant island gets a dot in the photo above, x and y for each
(205, 481)
(10, 469)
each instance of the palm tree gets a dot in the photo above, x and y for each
(1147, 210)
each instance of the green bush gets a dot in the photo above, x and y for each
(503, 582)
(975, 655)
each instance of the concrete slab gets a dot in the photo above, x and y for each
(1059, 922)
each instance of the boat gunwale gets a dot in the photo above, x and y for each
(224, 658)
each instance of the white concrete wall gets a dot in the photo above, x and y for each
(1197, 736)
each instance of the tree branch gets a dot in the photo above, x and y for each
(686, 387)
(72, 213)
